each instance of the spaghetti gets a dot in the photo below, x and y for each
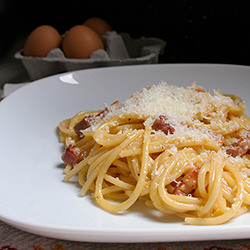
(184, 151)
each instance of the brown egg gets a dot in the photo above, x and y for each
(80, 42)
(99, 25)
(41, 41)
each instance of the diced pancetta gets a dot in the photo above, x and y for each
(188, 183)
(74, 155)
(161, 124)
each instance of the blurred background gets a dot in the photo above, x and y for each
(195, 31)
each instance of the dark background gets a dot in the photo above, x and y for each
(195, 31)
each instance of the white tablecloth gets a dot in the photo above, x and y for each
(14, 239)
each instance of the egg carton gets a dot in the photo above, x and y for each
(120, 49)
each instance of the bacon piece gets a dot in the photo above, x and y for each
(86, 122)
(239, 147)
(90, 120)
(104, 112)
(74, 155)
(199, 89)
(161, 124)
(116, 103)
(188, 183)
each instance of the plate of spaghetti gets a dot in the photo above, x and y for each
(129, 154)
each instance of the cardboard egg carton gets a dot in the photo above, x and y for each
(120, 49)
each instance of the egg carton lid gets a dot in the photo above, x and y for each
(120, 49)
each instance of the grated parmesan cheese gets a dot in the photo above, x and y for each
(177, 103)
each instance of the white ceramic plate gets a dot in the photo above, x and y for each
(33, 196)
